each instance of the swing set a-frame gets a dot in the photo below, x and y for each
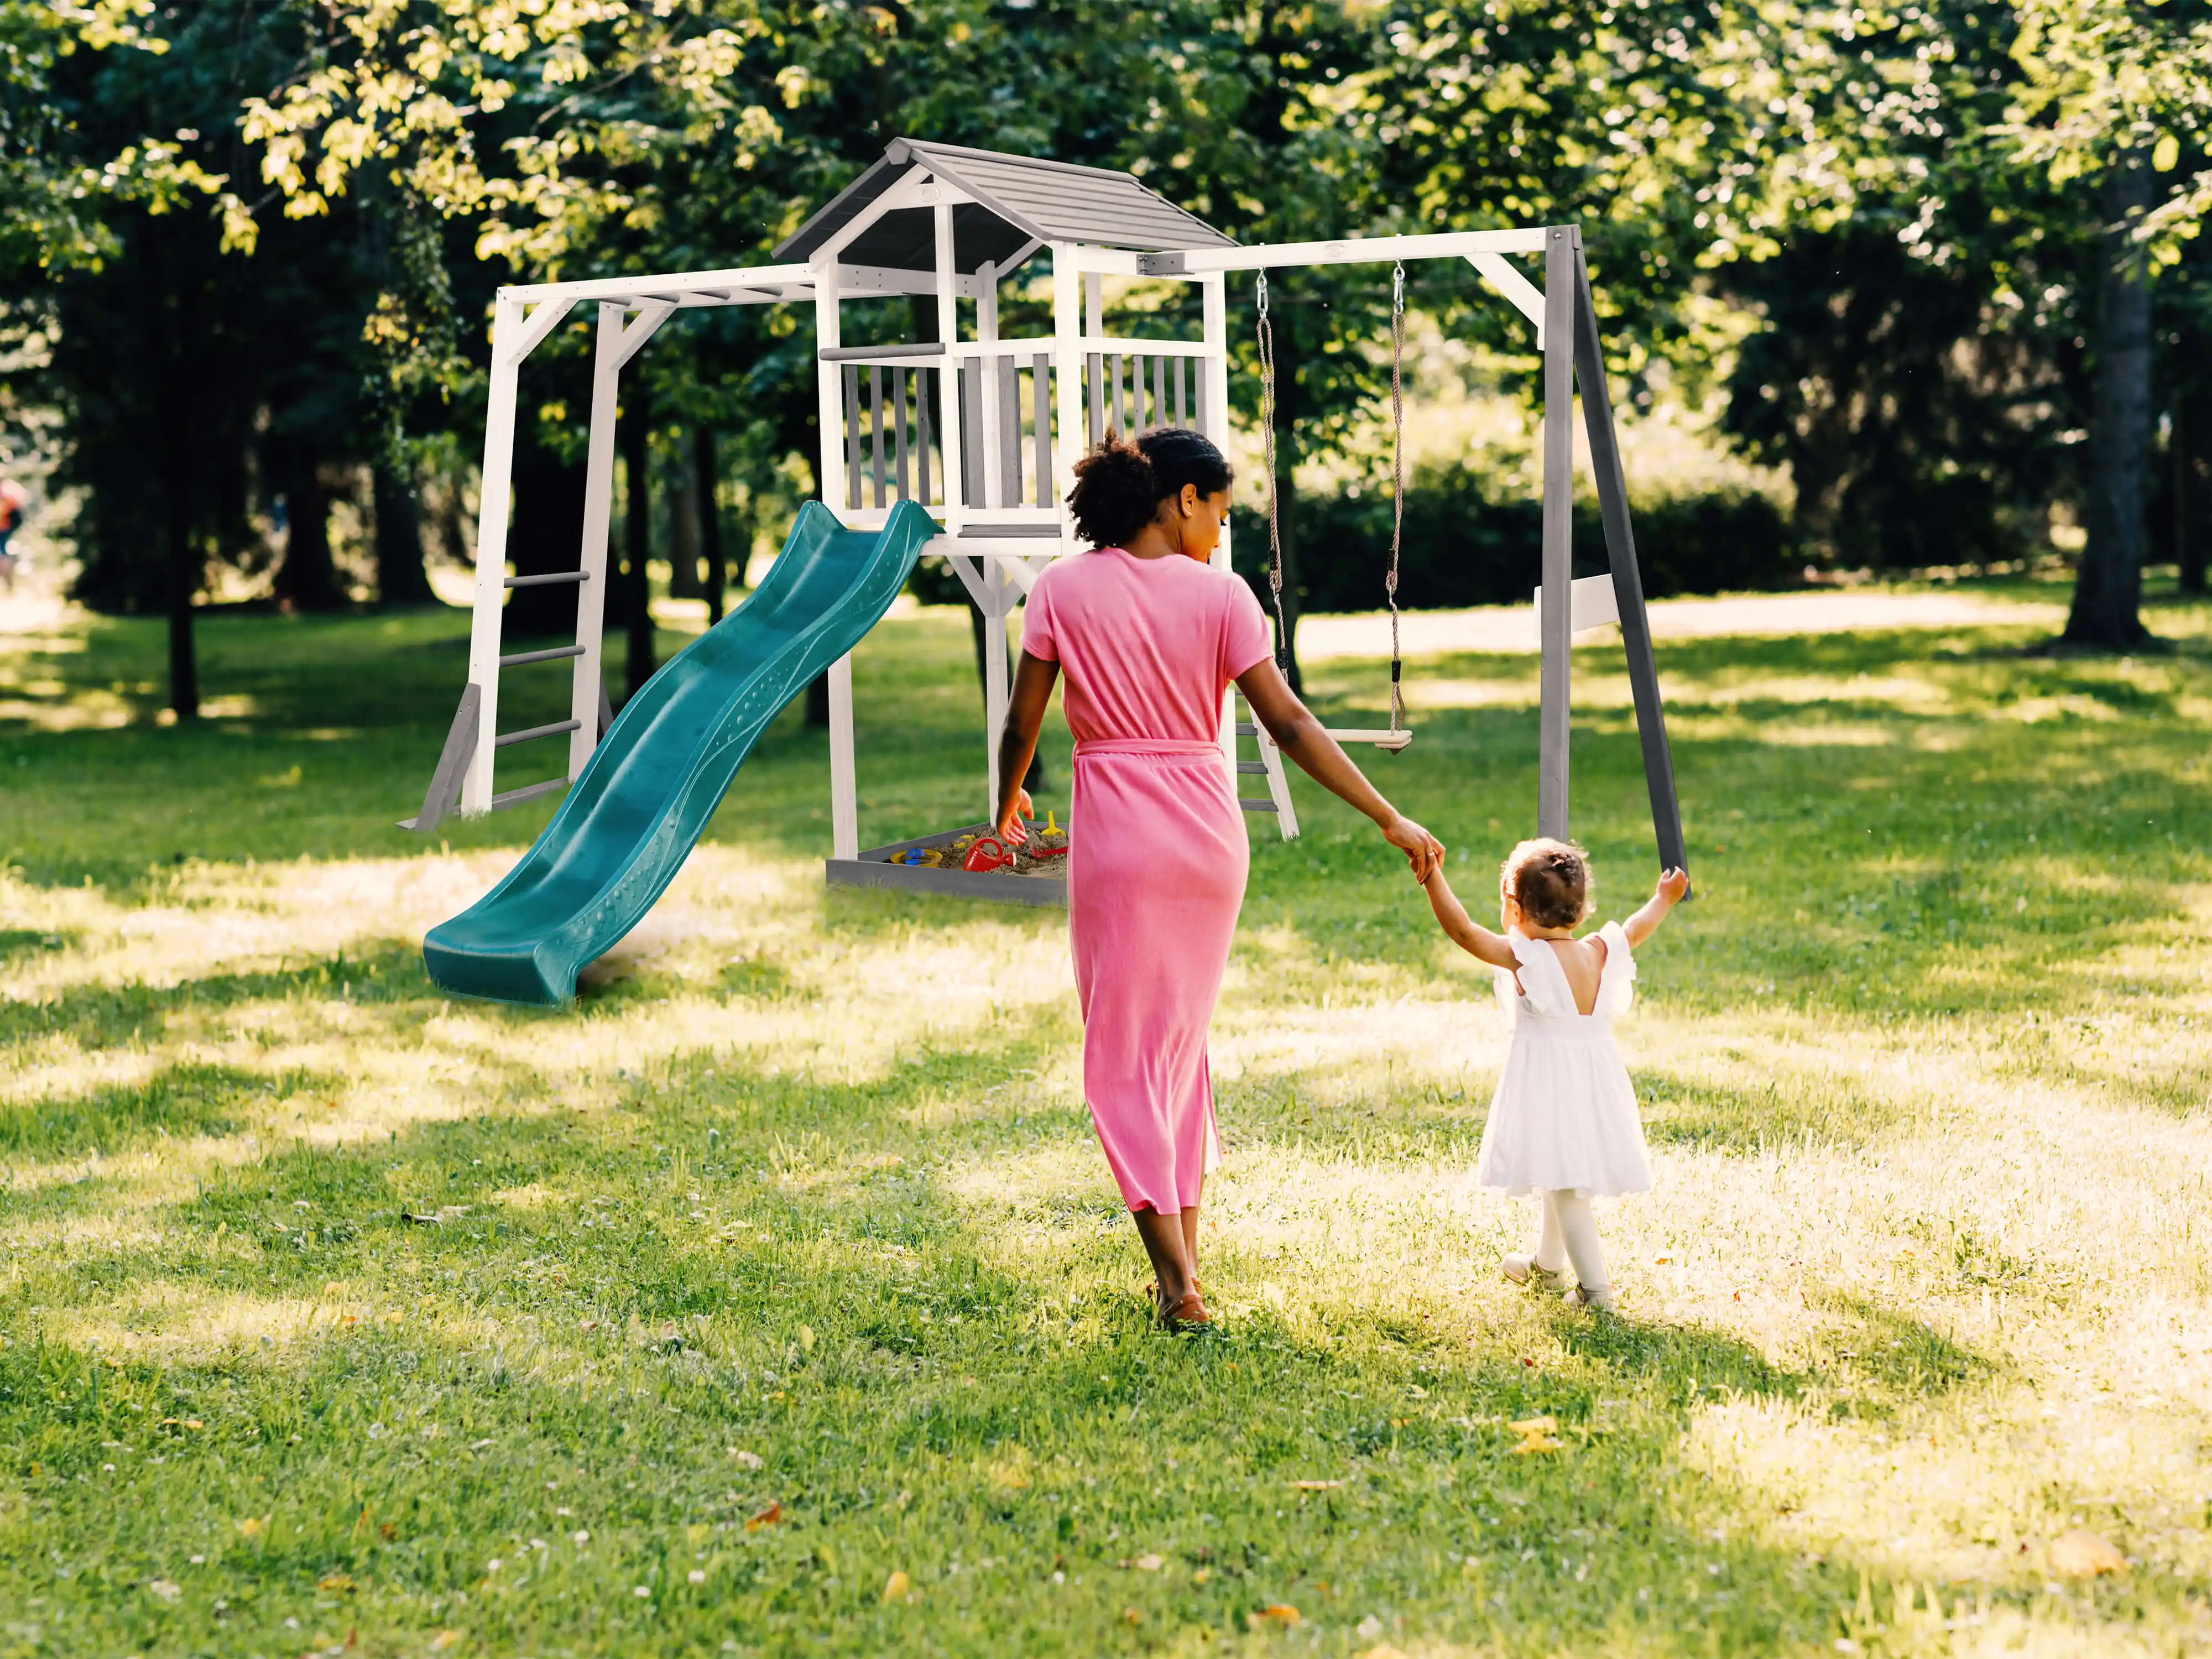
(980, 432)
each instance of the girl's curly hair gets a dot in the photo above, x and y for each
(1549, 880)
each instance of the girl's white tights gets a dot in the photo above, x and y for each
(1568, 1233)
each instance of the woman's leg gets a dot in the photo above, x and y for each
(1164, 1243)
(1190, 1231)
(1579, 1229)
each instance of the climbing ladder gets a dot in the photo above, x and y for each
(1269, 766)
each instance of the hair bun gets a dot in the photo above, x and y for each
(1120, 484)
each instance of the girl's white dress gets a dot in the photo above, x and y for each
(1564, 1114)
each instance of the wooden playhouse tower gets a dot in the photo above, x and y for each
(983, 430)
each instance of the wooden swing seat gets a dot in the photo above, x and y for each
(1381, 738)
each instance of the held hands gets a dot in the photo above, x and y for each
(1009, 826)
(1423, 851)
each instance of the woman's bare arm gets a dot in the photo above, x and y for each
(1299, 735)
(1034, 679)
(1470, 935)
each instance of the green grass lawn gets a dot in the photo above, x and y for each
(776, 1299)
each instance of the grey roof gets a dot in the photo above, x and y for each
(1019, 199)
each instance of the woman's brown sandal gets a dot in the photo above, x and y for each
(1188, 1314)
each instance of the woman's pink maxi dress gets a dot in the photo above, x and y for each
(1157, 855)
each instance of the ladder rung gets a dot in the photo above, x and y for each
(528, 791)
(529, 733)
(522, 657)
(1246, 729)
(549, 581)
(1252, 766)
(1252, 805)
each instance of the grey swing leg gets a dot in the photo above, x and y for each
(1627, 578)
(1561, 260)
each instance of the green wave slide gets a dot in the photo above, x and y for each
(628, 824)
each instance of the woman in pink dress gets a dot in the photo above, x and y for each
(1150, 636)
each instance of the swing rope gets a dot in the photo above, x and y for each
(1265, 331)
(1397, 482)
(1266, 342)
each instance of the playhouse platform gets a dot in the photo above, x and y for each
(874, 868)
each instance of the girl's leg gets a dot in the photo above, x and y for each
(1550, 1256)
(1579, 1229)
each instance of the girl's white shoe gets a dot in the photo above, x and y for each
(1582, 1296)
(1521, 1269)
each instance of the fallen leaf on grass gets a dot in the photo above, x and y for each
(1535, 1425)
(169, 1589)
(335, 1581)
(1275, 1613)
(2081, 1554)
(1535, 1443)
(445, 1638)
(897, 1587)
(251, 1527)
(1145, 1563)
(1315, 1486)
(767, 1517)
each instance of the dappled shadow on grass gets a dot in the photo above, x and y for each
(1801, 1106)
(96, 1015)
(609, 1304)
(179, 1100)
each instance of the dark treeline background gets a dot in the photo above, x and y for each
(1926, 259)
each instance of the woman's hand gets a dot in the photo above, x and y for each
(1009, 826)
(1423, 850)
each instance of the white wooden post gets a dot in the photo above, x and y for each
(948, 379)
(1213, 300)
(586, 689)
(844, 791)
(987, 333)
(492, 510)
(844, 787)
(830, 394)
(1001, 590)
(1094, 304)
(1067, 383)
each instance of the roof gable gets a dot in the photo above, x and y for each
(1018, 200)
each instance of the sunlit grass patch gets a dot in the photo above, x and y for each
(786, 1264)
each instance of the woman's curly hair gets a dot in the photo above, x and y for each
(1120, 484)
(1549, 880)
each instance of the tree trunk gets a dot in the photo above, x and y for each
(680, 490)
(2188, 533)
(707, 475)
(184, 574)
(544, 537)
(1287, 401)
(2108, 592)
(308, 579)
(637, 535)
(400, 577)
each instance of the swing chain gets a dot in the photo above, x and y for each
(1266, 344)
(1397, 479)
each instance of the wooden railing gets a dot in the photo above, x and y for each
(894, 447)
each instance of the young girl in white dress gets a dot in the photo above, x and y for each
(1563, 1123)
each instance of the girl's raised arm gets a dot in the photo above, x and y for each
(1470, 935)
(1646, 922)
